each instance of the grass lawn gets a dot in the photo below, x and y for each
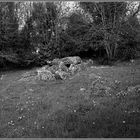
(73, 108)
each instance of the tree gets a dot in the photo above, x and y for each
(8, 32)
(107, 20)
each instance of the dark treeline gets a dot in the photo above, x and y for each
(107, 30)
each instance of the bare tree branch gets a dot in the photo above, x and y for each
(137, 11)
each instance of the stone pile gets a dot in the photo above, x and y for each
(57, 69)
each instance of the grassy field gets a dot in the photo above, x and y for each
(98, 102)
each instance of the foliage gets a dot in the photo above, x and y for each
(8, 33)
(72, 39)
(110, 20)
(33, 32)
(129, 39)
(37, 34)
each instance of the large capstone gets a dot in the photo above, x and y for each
(71, 60)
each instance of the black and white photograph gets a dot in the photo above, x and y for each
(70, 69)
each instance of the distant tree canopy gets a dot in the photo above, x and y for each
(110, 26)
(33, 32)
